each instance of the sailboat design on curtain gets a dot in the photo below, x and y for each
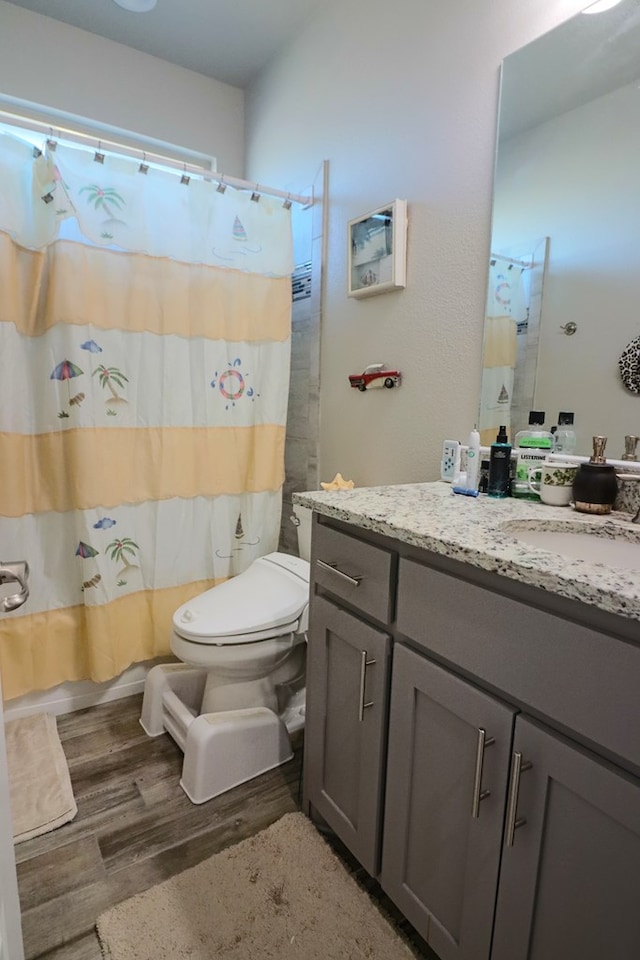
(239, 232)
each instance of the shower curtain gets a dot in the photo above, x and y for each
(145, 335)
(506, 307)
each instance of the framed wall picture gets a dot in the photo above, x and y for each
(377, 250)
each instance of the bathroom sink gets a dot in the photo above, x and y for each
(613, 545)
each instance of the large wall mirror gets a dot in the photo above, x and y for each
(563, 302)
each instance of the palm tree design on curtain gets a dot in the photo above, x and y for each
(108, 376)
(109, 200)
(118, 550)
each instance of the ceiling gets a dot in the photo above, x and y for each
(229, 40)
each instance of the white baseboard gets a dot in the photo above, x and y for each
(71, 696)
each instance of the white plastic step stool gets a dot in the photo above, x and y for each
(221, 750)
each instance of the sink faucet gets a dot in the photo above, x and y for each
(636, 477)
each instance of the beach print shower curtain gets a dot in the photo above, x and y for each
(145, 339)
(506, 307)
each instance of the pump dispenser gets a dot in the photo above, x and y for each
(596, 485)
(499, 465)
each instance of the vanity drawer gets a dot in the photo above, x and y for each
(354, 570)
(562, 670)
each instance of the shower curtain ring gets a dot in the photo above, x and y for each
(51, 143)
(144, 166)
(255, 196)
(185, 178)
(99, 155)
(287, 202)
(222, 185)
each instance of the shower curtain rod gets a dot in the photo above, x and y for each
(526, 265)
(94, 141)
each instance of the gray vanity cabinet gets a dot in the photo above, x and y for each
(345, 739)
(498, 731)
(570, 873)
(449, 749)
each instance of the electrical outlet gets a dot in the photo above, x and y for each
(450, 462)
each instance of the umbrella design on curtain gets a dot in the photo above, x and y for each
(86, 551)
(66, 371)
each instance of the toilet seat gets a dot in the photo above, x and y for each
(265, 601)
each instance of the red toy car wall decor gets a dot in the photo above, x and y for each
(375, 375)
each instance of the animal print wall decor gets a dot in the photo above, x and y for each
(629, 364)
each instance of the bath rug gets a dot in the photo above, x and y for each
(39, 782)
(280, 895)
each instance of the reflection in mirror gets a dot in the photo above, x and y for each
(562, 326)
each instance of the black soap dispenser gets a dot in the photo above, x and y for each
(596, 486)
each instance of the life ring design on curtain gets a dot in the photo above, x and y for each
(232, 384)
(629, 364)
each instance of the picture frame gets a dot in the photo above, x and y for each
(377, 250)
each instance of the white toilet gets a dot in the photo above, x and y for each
(240, 689)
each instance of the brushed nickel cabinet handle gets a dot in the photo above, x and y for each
(478, 793)
(364, 663)
(513, 823)
(333, 567)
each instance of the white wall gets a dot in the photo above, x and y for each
(50, 63)
(401, 98)
(575, 180)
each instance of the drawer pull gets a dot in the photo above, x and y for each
(478, 793)
(514, 822)
(364, 663)
(333, 567)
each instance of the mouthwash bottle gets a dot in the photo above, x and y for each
(532, 447)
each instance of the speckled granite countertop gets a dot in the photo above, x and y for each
(481, 532)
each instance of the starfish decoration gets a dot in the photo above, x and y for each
(338, 483)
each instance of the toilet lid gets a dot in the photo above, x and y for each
(271, 593)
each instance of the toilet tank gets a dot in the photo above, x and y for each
(302, 519)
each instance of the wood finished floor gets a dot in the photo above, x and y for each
(134, 828)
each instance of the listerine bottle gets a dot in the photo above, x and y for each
(532, 447)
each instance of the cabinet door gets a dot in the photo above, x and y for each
(570, 871)
(347, 695)
(449, 748)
